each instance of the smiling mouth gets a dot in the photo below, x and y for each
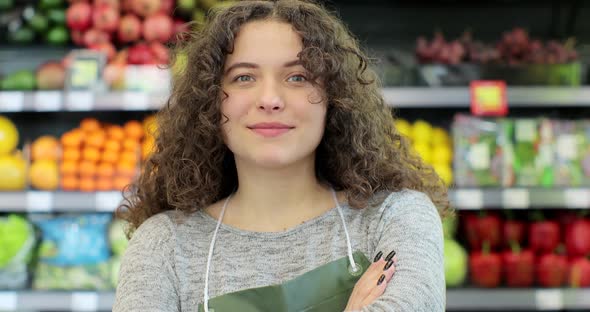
(270, 132)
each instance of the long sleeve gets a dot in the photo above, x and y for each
(412, 227)
(147, 279)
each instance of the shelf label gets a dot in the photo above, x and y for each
(469, 199)
(84, 302)
(80, 101)
(107, 201)
(48, 101)
(133, 100)
(576, 198)
(515, 199)
(549, 299)
(8, 301)
(39, 201)
(488, 98)
(12, 101)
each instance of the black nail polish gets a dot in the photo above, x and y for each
(381, 279)
(390, 255)
(378, 256)
(388, 265)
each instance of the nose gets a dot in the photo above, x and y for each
(270, 99)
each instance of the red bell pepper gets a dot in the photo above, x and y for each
(579, 275)
(552, 270)
(577, 238)
(519, 266)
(485, 267)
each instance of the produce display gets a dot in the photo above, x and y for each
(526, 152)
(17, 240)
(510, 249)
(44, 21)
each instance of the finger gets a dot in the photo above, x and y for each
(389, 271)
(377, 291)
(367, 282)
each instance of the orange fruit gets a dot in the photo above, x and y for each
(91, 154)
(68, 168)
(45, 147)
(71, 154)
(116, 133)
(109, 157)
(96, 139)
(87, 169)
(119, 183)
(44, 175)
(89, 125)
(87, 184)
(147, 147)
(128, 157)
(72, 138)
(126, 169)
(112, 145)
(105, 170)
(133, 130)
(69, 183)
(104, 184)
(130, 145)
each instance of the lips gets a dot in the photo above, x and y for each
(270, 129)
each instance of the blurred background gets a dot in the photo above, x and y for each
(492, 94)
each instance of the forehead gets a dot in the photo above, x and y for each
(267, 40)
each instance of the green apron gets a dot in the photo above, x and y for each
(326, 288)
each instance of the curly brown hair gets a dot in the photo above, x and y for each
(361, 152)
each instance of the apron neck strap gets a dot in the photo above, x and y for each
(212, 245)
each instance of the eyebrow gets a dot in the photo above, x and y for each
(254, 65)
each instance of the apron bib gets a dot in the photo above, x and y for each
(325, 288)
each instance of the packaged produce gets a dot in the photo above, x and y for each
(533, 150)
(569, 143)
(585, 153)
(17, 239)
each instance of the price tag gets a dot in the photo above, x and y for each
(39, 201)
(549, 299)
(469, 199)
(48, 101)
(8, 301)
(577, 198)
(108, 201)
(488, 98)
(133, 100)
(12, 101)
(84, 302)
(80, 101)
(515, 199)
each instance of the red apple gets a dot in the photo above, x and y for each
(160, 52)
(166, 7)
(94, 36)
(140, 54)
(51, 76)
(77, 37)
(145, 7)
(112, 3)
(79, 16)
(129, 28)
(158, 27)
(106, 18)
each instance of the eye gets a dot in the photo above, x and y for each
(243, 78)
(297, 78)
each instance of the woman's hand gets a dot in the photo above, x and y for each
(373, 282)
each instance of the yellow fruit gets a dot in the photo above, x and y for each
(150, 126)
(12, 173)
(440, 136)
(441, 154)
(421, 132)
(403, 127)
(147, 147)
(44, 175)
(8, 136)
(445, 173)
(424, 151)
(179, 64)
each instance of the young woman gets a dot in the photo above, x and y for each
(278, 182)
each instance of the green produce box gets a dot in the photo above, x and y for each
(478, 159)
(570, 140)
(533, 150)
(570, 74)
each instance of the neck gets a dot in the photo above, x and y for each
(277, 199)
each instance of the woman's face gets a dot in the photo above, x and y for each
(276, 116)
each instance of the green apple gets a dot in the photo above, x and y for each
(455, 263)
(186, 6)
(449, 224)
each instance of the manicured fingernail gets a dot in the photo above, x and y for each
(381, 279)
(378, 256)
(388, 265)
(390, 255)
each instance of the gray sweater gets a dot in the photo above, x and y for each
(163, 268)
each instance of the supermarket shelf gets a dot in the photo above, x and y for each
(458, 97)
(413, 97)
(520, 198)
(53, 101)
(35, 201)
(56, 301)
(462, 199)
(457, 300)
(518, 299)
